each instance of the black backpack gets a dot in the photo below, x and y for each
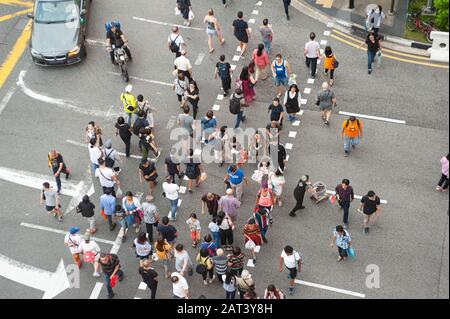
(235, 105)
(173, 45)
(109, 162)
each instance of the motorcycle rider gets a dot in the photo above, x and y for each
(115, 36)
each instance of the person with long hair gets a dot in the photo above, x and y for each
(163, 251)
(226, 227)
(229, 284)
(261, 60)
(292, 102)
(328, 63)
(248, 83)
(143, 248)
(252, 234)
(212, 29)
(272, 292)
(192, 95)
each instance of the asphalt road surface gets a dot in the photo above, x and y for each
(48, 108)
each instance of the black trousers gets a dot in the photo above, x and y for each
(226, 236)
(298, 205)
(226, 84)
(149, 229)
(331, 73)
(311, 63)
(443, 182)
(153, 289)
(286, 4)
(209, 272)
(127, 146)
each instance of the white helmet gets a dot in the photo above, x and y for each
(129, 88)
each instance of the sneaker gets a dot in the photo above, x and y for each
(60, 219)
(293, 214)
(96, 274)
(339, 259)
(137, 229)
(346, 153)
(326, 122)
(290, 291)
(212, 279)
(438, 188)
(369, 72)
(288, 17)
(243, 119)
(159, 154)
(111, 296)
(265, 240)
(366, 231)
(353, 146)
(205, 282)
(302, 207)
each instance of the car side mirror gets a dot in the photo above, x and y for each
(30, 15)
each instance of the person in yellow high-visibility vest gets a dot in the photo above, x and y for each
(129, 102)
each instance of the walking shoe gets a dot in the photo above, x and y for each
(290, 291)
(111, 296)
(345, 225)
(288, 17)
(212, 279)
(346, 153)
(60, 219)
(265, 240)
(339, 259)
(326, 122)
(353, 146)
(293, 214)
(205, 282)
(302, 207)
(366, 231)
(438, 188)
(96, 274)
(370, 71)
(243, 119)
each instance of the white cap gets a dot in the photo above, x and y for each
(129, 88)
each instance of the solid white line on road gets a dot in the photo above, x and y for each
(144, 80)
(255, 12)
(323, 42)
(330, 192)
(61, 232)
(7, 98)
(252, 21)
(167, 24)
(116, 245)
(342, 291)
(96, 42)
(59, 102)
(327, 33)
(96, 291)
(236, 58)
(200, 58)
(370, 117)
(307, 91)
(86, 146)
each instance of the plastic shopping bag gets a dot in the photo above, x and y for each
(351, 252)
(177, 11)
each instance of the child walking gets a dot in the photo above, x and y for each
(194, 229)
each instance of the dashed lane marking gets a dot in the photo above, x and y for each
(216, 107)
(220, 97)
(199, 59)
(296, 123)
(255, 12)
(323, 42)
(310, 81)
(166, 24)
(327, 33)
(4, 102)
(259, 3)
(96, 291)
(370, 117)
(307, 91)
(236, 58)
(233, 67)
(289, 146)
(252, 21)
(292, 134)
(338, 290)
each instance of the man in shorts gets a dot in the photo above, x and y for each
(370, 207)
(241, 32)
(293, 262)
(51, 199)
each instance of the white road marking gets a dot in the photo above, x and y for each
(330, 24)
(307, 91)
(86, 187)
(289, 146)
(96, 42)
(255, 12)
(96, 291)
(370, 117)
(292, 134)
(61, 232)
(86, 146)
(182, 190)
(179, 202)
(257, 249)
(144, 80)
(142, 286)
(236, 58)
(323, 42)
(296, 123)
(250, 263)
(238, 49)
(330, 192)
(259, 3)
(327, 33)
(220, 97)
(118, 242)
(252, 21)
(166, 24)
(216, 107)
(4, 102)
(233, 67)
(303, 101)
(200, 58)
(287, 158)
(342, 291)
(198, 152)
(310, 81)
(51, 283)
(301, 112)
(60, 102)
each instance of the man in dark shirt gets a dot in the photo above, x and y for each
(276, 111)
(172, 168)
(241, 32)
(124, 131)
(370, 207)
(211, 200)
(345, 195)
(299, 194)
(110, 264)
(149, 276)
(147, 172)
(56, 162)
(168, 232)
(223, 70)
(115, 37)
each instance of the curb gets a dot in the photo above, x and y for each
(406, 45)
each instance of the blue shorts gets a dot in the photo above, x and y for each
(280, 81)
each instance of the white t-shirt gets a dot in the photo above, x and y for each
(194, 224)
(179, 287)
(312, 47)
(105, 175)
(213, 227)
(143, 250)
(178, 40)
(94, 154)
(182, 63)
(171, 190)
(74, 243)
(292, 260)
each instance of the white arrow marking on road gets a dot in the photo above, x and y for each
(34, 180)
(60, 102)
(52, 284)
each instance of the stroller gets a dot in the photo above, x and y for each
(318, 192)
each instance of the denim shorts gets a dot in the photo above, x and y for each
(280, 81)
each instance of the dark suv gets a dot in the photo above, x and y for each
(59, 31)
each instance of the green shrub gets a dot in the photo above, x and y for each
(441, 20)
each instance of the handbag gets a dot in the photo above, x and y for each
(89, 256)
(250, 245)
(200, 269)
(335, 63)
(351, 252)
(113, 281)
(191, 15)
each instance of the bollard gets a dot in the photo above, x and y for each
(440, 48)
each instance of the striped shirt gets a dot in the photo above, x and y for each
(220, 264)
(342, 240)
(237, 262)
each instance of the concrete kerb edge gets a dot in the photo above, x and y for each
(345, 26)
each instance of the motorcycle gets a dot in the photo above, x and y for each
(121, 58)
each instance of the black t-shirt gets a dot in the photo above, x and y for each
(213, 205)
(167, 232)
(240, 27)
(281, 153)
(172, 168)
(115, 38)
(373, 47)
(370, 206)
(147, 171)
(223, 69)
(148, 276)
(56, 162)
(194, 102)
(111, 264)
(275, 112)
(124, 131)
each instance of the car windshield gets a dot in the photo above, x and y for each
(56, 11)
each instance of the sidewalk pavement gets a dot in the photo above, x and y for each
(393, 25)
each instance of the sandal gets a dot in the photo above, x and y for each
(211, 51)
